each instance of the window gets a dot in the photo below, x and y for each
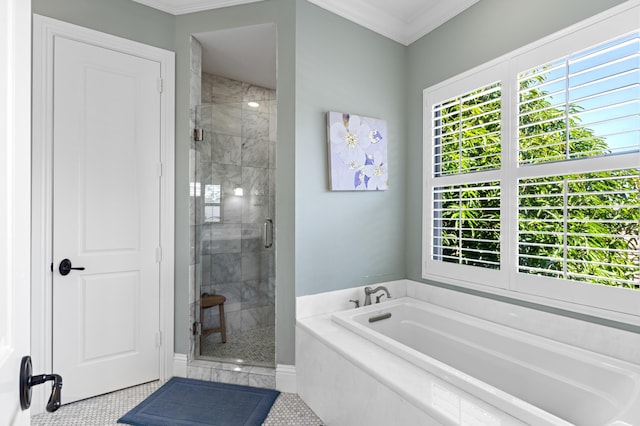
(582, 227)
(467, 132)
(467, 224)
(583, 105)
(534, 170)
(212, 203)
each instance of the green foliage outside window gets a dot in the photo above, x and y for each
(582, 227)
(468, 231)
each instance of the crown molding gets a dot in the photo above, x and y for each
(362, 12)
(181, 7)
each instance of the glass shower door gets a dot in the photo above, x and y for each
(235, 241)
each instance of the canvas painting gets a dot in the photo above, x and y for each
(357, 152)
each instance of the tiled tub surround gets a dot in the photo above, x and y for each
(329, 356)
(237, 151)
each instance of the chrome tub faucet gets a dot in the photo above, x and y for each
(368, 291)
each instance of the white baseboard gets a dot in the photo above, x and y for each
(180, 365)
(286, 378)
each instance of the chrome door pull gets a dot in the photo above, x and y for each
(268, 233)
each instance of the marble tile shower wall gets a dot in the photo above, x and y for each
(237, 151)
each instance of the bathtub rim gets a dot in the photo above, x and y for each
(502, 400)
(335, 338)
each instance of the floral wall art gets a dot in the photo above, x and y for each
(357, 152)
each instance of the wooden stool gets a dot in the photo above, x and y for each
(210, 301)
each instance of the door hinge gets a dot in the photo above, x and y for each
(197, 328)
(158, 254)
(198, 135)
(158, 339)
(159, 169)
(160, 85)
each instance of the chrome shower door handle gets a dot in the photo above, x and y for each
(268, 233)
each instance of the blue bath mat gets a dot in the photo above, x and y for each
(188, 402)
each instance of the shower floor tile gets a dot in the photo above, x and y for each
(253, 347)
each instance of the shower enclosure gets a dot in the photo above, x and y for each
(234, 193)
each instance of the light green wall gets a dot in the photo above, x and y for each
(122, 18)
(330, 240)
(346, 239)
(485, 31)
(131, 20)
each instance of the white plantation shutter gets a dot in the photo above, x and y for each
(532, 164)
(467, 224)
(467, 152)
(581, 227)
(564, 234)
(467, 132)
(595, 92)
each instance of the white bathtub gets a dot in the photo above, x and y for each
(532, 379)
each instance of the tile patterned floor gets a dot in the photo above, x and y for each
(255, 347)
(105, 410)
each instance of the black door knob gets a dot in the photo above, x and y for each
(65, 267)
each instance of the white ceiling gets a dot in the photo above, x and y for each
(404, 21)
(247, 53)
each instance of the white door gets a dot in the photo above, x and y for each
(106, 218)
(15, 110)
